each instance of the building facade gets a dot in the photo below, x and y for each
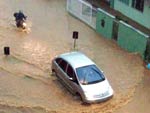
(127, 22)
(137, 10)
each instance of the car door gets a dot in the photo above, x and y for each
(61, 68)
(71, 79)
(61, 73)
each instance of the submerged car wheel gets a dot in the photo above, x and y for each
(53, 72)
(78, 97)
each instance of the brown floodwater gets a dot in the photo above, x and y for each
(26, 84)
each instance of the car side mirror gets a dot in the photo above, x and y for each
(70, 78)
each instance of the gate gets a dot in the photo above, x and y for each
(83, 10)
(115, 30)
(147, 52)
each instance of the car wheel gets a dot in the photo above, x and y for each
(78, 97)
(53, 72)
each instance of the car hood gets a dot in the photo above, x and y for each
(96, 88)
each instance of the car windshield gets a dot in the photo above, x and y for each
(89, 75)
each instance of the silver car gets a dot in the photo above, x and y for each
(82, 77)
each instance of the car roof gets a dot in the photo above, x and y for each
(76, 59)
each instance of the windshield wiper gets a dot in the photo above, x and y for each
(94, 82)
(103, 78)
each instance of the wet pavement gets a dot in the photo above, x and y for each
(26, 83)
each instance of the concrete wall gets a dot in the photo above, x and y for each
(131, 39)
(142, 18)
(104, 23)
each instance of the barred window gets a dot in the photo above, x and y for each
(138, 4)
(125, 1)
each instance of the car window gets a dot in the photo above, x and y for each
(70, 71)
(58, 60)
(63, 64)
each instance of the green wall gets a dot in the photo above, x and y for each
(131, 39)
(142, 18)
(106, 31)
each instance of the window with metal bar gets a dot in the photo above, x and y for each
(125, 1)
(138, 4)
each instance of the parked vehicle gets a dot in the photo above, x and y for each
(82, 77)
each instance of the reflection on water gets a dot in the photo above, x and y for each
(26, 83)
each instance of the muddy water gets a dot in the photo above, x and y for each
(26, 83)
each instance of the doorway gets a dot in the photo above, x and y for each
(115, 30)
(147, 52)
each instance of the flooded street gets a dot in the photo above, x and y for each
(26, 84)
